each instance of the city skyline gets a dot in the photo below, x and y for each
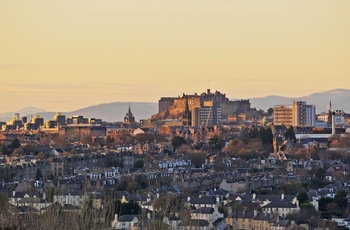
(71, 54)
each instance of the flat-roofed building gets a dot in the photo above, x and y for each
(297, 114)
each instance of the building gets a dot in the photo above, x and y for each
(210, 113)
(198, 105)
(297, 114)
(129, 118)
(60, 119)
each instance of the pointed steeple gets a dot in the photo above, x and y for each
(129, 117)
(330, 105)
(129, 109)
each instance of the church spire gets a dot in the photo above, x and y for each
(129, 117)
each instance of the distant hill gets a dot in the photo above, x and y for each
(116, 111)
(339, 97)
(107, 112)
(23, 112)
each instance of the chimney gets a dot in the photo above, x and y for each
(208, 91)
(333, 123)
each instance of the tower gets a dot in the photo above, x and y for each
(330, 114)
(129, 117)
(187, 116)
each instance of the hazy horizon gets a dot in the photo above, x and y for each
(69, 54)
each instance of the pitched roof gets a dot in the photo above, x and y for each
(204, 210)
(196, 222)
(263, 216)
(244, 215)
(203, 200)
(280, 204)
(126, 218)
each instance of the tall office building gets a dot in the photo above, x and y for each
(283, 115)
(297, 114)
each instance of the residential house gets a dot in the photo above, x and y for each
(241, 219)
(234, 187)
(264, 220)
(125, 222)
(281, 208)
(207, 213)
(195, 224)
(204, 201)
(34, 202)
(72, 197)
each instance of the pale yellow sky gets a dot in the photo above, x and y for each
(62, 55)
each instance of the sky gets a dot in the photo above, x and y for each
(62, 55)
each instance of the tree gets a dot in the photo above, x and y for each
(291, 187)
(323, 203)
(39, 174)
(266, 135)
(177, 142)
(197, 159)
(15, 143)
(145, 137)
(270, 111)
(129, 208)
(41, 156)
(3, 203)
(290, 135)
(303, 198)
(50, 192)
(18, 152)
(139, 164)
(219, 166)
(167, 205)
(215, 143)
(3, 149)
(341, 200)
(109, 140)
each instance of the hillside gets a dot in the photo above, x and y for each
(107, 112)
(339, 97)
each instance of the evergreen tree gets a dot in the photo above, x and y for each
(303, 198)
(3, 149)
(290, 135)
(39, 174)
(177, 142)
(15, 143)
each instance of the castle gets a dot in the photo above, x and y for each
(206, 108)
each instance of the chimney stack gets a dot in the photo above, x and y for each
(333, 123)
